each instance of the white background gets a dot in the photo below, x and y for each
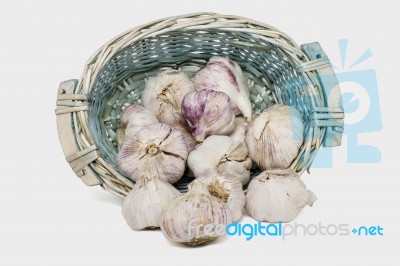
(49, 217)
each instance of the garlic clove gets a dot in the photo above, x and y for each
(183, 219)
(239, 133)
(133, 118)
(227, 188)
(143, 205)
(277, 196)
(223, 74)
(220, 153)
(247, 164)
(237, 151)
(239, 170)
(206, 113)
(275, 137)
(205, 159)
(163, 94)
(156, 149)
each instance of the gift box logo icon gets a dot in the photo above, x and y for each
(362, 110)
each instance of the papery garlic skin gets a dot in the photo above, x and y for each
(227, 188)
(190, 141)
(275, 137)
(223, 74)
(133, 118)
(143, 205)
(221, 153)
(196, 209)
(158, 149)
(163, 94)
(206, 113)
(277, 196)
(239, 133)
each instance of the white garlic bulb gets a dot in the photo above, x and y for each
(143, 205)
(223, 74)
(133, 118)
(275, 136)
(227, 188)
(186, 218)
(277, 196)
(157, 149)
(190, 141)
(206, 113)
(221, 153)
(163, 94)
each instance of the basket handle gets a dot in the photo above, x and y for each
(78, 159)
(332, 115)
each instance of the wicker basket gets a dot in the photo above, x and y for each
(277, 69)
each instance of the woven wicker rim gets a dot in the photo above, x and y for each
(120, 185)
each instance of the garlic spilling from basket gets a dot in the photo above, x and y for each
(221, 153)
(275, 136)
(163, 94)
(208, 112)
(158, 149)
(227, 188)
(203, 119)
(223, 74)
(143, 205)
(277, 196)
(184, 219)
(199, 134)
(134, 118)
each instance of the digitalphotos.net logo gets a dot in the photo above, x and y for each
(280, 230)
(360, 100)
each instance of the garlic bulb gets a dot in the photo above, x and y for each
(156, 149)
(221, 153)
(275, 136)
(222, 74)
(227, 188)
(206, 113)
(143, 205)
(187, 218)
(163, 94)
(133, 118)
(190, 141)
(277, 196)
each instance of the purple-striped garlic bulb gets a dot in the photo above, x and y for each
(223, 74)
(206, 113)
(157, 149)
(186, 218)
(275, 137)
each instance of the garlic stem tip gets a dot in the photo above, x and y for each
(311, 198)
